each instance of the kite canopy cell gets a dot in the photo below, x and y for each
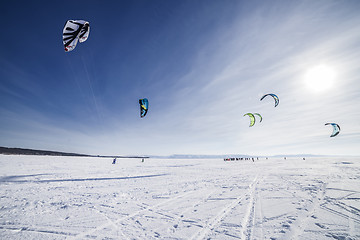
(276, 98)
(258, 114)
(144, 106)
(252, 118)
(336, 129)
(74, 31)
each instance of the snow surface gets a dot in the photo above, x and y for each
(43, 197)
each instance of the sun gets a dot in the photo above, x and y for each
(320, 78)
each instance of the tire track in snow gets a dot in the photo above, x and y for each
(225, 211)
(248, 221)
(257, 210)
(111, 223)
(259, 205)
(259, 202)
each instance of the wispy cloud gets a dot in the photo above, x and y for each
(200, 90)
(272, 55)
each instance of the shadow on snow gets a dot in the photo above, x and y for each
(9, 178)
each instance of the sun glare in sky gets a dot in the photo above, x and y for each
(320, 78)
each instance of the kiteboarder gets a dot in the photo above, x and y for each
(114, 161)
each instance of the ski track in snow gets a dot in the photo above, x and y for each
(217, 219)
(248, 221)
(109, 223)
(44, 197)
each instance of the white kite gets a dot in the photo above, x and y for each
(74, 31)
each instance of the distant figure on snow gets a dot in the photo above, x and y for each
(142, 160)
(114, 161)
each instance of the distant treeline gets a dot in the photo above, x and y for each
(22, 151)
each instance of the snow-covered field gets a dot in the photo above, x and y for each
(44, 197)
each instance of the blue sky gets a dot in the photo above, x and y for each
(201, 64)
